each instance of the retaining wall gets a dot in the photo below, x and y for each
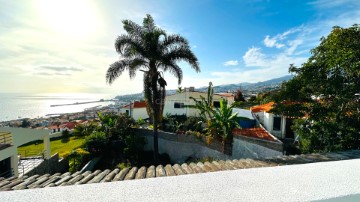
(180, 146)
(247, 147)
(51, 166)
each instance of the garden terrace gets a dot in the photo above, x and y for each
(98, 176)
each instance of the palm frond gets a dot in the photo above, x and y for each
(125, 44)
(115, 70)
(148, 23)
(132, 28)
(173, 68)
(183, 53)
(174, 40)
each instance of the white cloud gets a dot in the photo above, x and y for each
(231, 63)
(254, 57)
(334, 3)
(271, 42)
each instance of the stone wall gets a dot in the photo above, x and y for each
(180, 146)
(51, 166)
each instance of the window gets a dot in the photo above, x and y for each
(178, 105)
(127, 112)
(216, 104)
(277, 123)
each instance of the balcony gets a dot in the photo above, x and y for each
(6, 140)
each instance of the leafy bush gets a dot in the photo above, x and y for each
(82, 130)
(194, 123)
(77, 158)
(95, 143)
(123, 165)
(134, 144)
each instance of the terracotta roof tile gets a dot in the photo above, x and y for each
(137, 104)
(263, 108)
(259, 133)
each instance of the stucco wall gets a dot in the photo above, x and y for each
(244, 147)
(138, 113)
(180, 151)
(51, 166)
(25, 135)
(180, 147)
(184, 98)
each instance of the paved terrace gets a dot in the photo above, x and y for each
(78, 178)
(27, 164)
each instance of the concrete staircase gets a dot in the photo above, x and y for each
(98, 176)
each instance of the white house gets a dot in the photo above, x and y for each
(136, 110)
(175, 103)
(11, 139)
(277, 125)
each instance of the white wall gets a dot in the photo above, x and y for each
(180, 151)
(267, 119)
(244, 149)
(185, 98)
(138, 113)
(21, 136)
(25, 135)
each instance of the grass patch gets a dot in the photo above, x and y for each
(57, 146)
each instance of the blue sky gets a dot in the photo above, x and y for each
(66, 46)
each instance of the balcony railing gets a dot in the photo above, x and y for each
(6, 138)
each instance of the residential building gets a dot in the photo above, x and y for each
(175, 104)
(136, 110)
(11, 139)
(278, 125)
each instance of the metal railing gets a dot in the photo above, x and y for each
(6, 138)
(31, 158)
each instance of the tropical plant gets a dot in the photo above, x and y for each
(85, 129)
(180, 90)
(224, 121)
(205, 106)
(149, 49)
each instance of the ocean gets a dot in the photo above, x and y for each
(15, 106)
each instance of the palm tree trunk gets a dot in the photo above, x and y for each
(156, 137)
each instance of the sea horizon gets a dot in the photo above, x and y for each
(14, 106)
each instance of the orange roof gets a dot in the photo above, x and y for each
(137, 104)
(263, 108)
(69, 125)
(259, 133)
(225, 94)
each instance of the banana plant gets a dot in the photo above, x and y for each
(224, 121)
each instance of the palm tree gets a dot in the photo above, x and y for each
(149, 49)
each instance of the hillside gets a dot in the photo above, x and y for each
(245, 86)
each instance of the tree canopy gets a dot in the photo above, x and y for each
(324, 94)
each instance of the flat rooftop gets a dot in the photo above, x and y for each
(336, 180)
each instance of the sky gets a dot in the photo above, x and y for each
(66, 46)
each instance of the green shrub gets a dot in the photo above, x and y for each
(123, 165)
(95, 143)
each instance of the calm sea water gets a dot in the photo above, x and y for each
(14, 106)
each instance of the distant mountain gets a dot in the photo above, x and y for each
(245, 86)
